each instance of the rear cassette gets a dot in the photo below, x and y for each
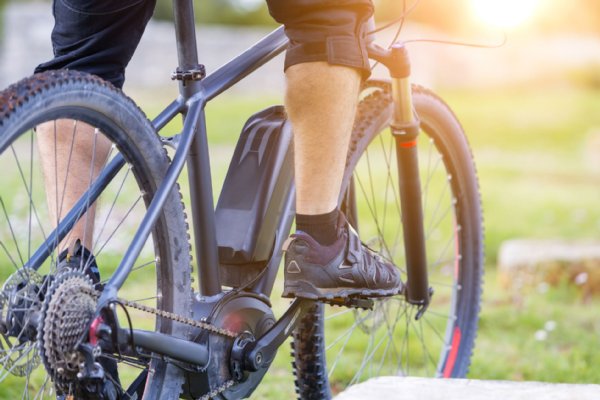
(68, 309)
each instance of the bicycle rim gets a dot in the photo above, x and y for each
(78, 106)
(336, 347)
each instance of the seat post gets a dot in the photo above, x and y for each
(189, 74)
(187, 50)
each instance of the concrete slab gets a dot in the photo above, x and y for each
(466, 389)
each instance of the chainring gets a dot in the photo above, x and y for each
(68, 308)
(239, 313)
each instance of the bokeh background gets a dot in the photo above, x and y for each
(523, 76)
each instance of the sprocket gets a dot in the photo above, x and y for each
(68, 308)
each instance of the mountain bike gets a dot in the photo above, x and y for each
(409, 189)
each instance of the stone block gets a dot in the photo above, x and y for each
(526, 263)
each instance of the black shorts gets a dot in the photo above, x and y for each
(325, 30)
(100, 37)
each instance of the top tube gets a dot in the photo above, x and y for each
(243, 65)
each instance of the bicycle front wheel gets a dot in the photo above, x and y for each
(58, 130)
(334, 348)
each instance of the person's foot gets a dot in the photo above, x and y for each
(78, 258)
(345, 268)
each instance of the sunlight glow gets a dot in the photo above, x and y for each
(505, 13)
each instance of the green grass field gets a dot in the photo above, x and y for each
(540, 178)
(539, 174)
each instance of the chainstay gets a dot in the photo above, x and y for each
(169, 315)
(178, 318)
(198, 324)
(184, 320)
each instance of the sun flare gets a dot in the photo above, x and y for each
(505, 13)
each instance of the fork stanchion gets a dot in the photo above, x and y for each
(405, 129)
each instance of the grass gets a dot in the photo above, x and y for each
(538, 180)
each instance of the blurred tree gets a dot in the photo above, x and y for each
(443, 14)
(456, 15)
(2, 4)
(453, 15)
(571, 16)
(235, 12)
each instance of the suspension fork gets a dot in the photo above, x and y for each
(405, 129)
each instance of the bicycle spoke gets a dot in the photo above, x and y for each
(99, 251)
(390, 333)
(10, 226)
(29, 190)
(349, 310)
(368, 357)
(347, 332)
(112, 206)
(87, 205)
(14, 264)
(371, 183)
(431, 172)
(437, 207)
(40, 393)
(64, 189)
(427, 356)
(144, 265)
(428, 172)
(396, 193)
(145, 299)
(441, 261)
(445, 249)
(434, 313)
(379, 232)
(436, 331)
(57, 215)
(361, 368)
(389, 179)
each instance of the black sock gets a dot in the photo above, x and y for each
(322, 227)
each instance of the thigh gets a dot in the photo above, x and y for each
(98, 37)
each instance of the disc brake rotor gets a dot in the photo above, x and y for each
(20, 306)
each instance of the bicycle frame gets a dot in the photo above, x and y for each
(192, 148)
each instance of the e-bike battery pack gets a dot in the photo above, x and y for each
(253, 195)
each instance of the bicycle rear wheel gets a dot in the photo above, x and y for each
(334, 348)
(80, 107)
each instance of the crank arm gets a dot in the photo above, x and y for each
(261, 353)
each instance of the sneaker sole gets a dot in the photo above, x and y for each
(306, 290)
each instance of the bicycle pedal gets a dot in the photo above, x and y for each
(351, 302)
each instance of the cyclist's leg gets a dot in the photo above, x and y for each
(324, 65)
(99, 38)
(71, 156)
(323, 68)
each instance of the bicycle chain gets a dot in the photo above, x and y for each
(184, 320)
(178, 318)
